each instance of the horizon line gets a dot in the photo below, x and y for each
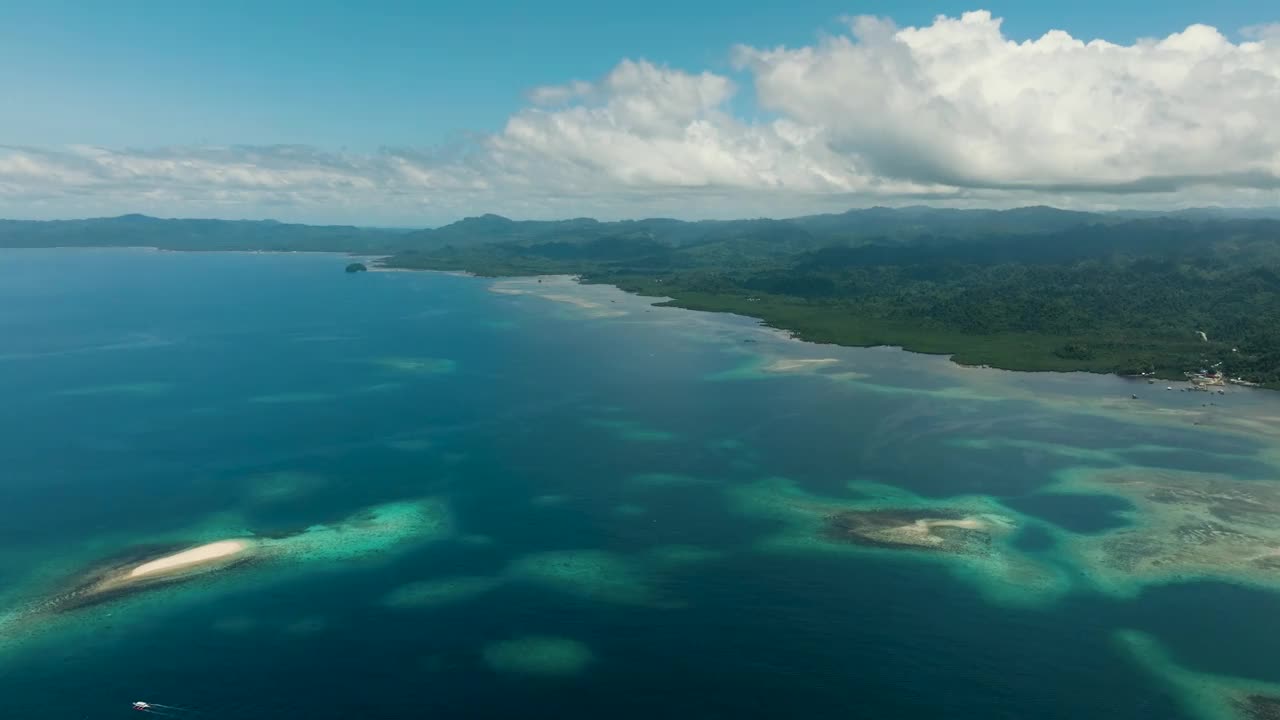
(1170, 211)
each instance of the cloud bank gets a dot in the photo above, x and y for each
(951, 113)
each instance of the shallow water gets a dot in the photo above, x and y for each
(633, 499)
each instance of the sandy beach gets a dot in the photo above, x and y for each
(188, 559)
(921, 532)
(593, 308)
(798, 364)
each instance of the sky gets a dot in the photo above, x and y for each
(413, 113)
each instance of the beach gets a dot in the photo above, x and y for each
(187, 560)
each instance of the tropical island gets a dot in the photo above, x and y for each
(1038, 288)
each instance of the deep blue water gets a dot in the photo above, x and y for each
(190, 375)
(1078, 513)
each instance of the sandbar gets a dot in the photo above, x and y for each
(798, 364)
(187, 559)
(547, 291)
(147, 568)
(908, 528)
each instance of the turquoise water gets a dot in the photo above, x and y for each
(615, 510)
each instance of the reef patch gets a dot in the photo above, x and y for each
(1187, 525)
(915, 529)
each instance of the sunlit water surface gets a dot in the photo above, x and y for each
(594, 508)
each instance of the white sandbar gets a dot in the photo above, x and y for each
(188, 558)
(798, 364)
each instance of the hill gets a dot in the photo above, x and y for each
(145, 231)
(1083, 292)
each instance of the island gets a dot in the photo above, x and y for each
(910, 528)
(149, 568)
(357, 268)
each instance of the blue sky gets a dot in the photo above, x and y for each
(341, 77)
(363, 75)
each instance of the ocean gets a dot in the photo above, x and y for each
(479, 498)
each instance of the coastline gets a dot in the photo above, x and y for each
(977, 351)
(979, 354)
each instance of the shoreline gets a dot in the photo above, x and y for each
(953, 356)
(381, 263)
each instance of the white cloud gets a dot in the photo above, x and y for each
(958, 103)
(953, 112)
(646, 127)
(1262, 33)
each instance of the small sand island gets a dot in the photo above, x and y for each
(369, 532)
(189, 560)
(145, 570)
(915, 529)
(971, 535)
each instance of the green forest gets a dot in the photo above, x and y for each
(1125, 297)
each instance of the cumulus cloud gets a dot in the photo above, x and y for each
(1262, 32)
(959, 104)
(646, 127)
(954, 112)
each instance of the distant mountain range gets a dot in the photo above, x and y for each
(145, 231)
(758, 236)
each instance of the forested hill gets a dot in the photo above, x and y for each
(144, 231)
(853, 227)
(1116, 295)
(809, 231)
(802, 232)
(1033, 288)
